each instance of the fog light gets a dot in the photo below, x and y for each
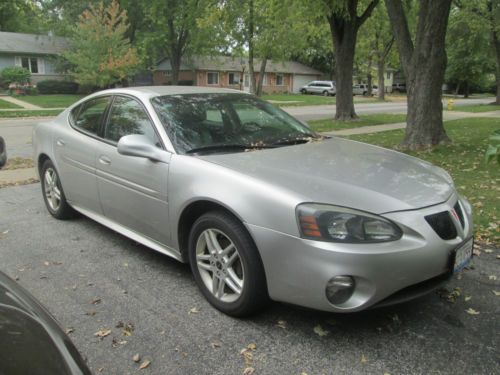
(339, 289)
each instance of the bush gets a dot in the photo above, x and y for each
(15, 74)
(51, 86)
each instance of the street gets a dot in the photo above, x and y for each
(17, 132)
(91, 279)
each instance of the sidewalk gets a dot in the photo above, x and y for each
(20, 103)
(28, 175)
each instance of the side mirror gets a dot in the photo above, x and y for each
(141, 146)
(3, 153)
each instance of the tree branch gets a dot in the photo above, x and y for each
(401, 32)
(367, 13)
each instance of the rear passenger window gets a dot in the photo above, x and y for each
(91, 115)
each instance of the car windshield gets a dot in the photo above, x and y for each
(225, 122)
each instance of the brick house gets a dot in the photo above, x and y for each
(232, 72)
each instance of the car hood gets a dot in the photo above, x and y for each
(345, 173)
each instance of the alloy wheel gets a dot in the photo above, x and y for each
(52, 191)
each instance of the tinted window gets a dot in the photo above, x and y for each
(127, 116)
(91, 115)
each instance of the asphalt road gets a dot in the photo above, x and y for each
(91, 278)
(17, 132)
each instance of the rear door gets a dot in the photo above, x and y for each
(75, 147)
(133, 190)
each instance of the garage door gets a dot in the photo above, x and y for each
(300, 80)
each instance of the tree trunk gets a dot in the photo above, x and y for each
(466, 89)
(496, 42)
(457, 89)
(424, 65)
(381, 79)
(261, 76)
(251, 70)
(345, 46)
(344, 26)
(175, 63)
(369, 78)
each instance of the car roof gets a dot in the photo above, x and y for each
(168, 90)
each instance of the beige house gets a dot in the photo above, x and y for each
(232, 72)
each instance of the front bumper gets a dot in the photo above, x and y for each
(298, 270)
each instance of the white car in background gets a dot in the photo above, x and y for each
(325, 88)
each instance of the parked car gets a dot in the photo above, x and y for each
(31, 341)
(259, 204)
(3, 152)
(399, 87)
(325, 88)
(360, 89)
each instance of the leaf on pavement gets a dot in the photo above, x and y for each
(467, 298)
(363, 359)
(194, 310)
(252, 346)
(496, 293)
(488, 251)
(144, 364)
(70, 330)
(281, 324)
(46, 263)
(248, 371)
(471, 311)
(102, 333)
(136, 358)
(320, 331)
(96, 301)
(492, 277)
(215, 344)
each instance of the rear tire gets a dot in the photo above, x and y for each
(53, 194)
(303, 92)
(226, 265)
(325, 93)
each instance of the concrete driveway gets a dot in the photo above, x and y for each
(91, 279)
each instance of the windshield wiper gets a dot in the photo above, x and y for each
(224, 147)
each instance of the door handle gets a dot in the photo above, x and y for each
(60, 142)
(104, 160)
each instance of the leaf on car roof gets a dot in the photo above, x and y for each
(471, 311)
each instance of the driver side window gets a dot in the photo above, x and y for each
(127, 116)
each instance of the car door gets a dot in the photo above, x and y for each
(74, 148)
(132, 190)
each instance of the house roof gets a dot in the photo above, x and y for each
(231, 63)
(31, 43)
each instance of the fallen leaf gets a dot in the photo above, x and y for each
(194, 310)
(488, 251)
(215, 344)
(136, 358)
(492, 277)
(46, 263)
(96, 301)
(248, 371)
(496, 293)
(252, 346)
(91, 313)
(320, 331)
(115, 343)
(467, 298)
(128, 329)
(144, 364)
(498, 256)
(69, 330)
(281, 324)
(102, 333)
(471, 311)
(363, 359)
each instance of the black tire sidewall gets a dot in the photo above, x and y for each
(254, 292)
(64, 211)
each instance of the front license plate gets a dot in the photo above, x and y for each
(463, 254)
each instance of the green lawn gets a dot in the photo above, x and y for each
(287, 100)
(7, 105)
(463, 159)
(51, 101)
(477, 108)
(364, 120)
(30, 113)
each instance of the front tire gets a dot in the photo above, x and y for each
(53, 194)
(226, 265)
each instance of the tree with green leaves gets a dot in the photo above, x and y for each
(99, 51)
(423, 58)
(22, 16)
(374, 48)
(468, 45)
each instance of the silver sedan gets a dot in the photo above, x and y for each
(258, 204)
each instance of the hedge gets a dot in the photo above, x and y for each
(57, 87)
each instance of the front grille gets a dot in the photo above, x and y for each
(442, 225)
(460, 214)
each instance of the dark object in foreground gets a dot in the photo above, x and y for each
(3, 152)
(31, 341)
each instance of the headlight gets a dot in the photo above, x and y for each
(338, 224)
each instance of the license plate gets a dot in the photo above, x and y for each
(463, 254)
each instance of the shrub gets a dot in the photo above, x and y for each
(493, 151)
(15, 74)
(57, 87)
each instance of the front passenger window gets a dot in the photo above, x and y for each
(91, 115)
(127, 116)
